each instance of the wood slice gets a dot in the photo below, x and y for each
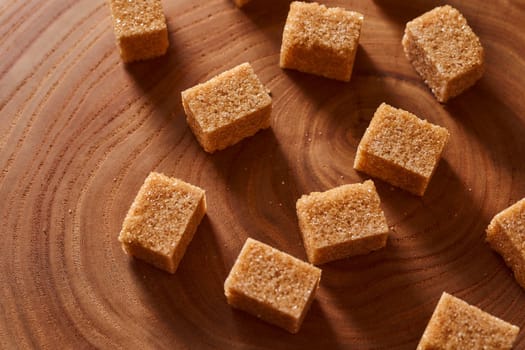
(80, 131)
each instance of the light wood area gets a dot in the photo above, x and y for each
(80, 131)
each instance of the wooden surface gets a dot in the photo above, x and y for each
(80, 131)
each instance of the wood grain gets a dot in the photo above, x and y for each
(80, 131)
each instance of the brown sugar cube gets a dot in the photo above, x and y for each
(162, 221)
(140, 28)
(342, 222)
(320, 40)
(458, 325)
(444, 50)
(401, 149)
(506, 235)
(227, 108)
(272, 285)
